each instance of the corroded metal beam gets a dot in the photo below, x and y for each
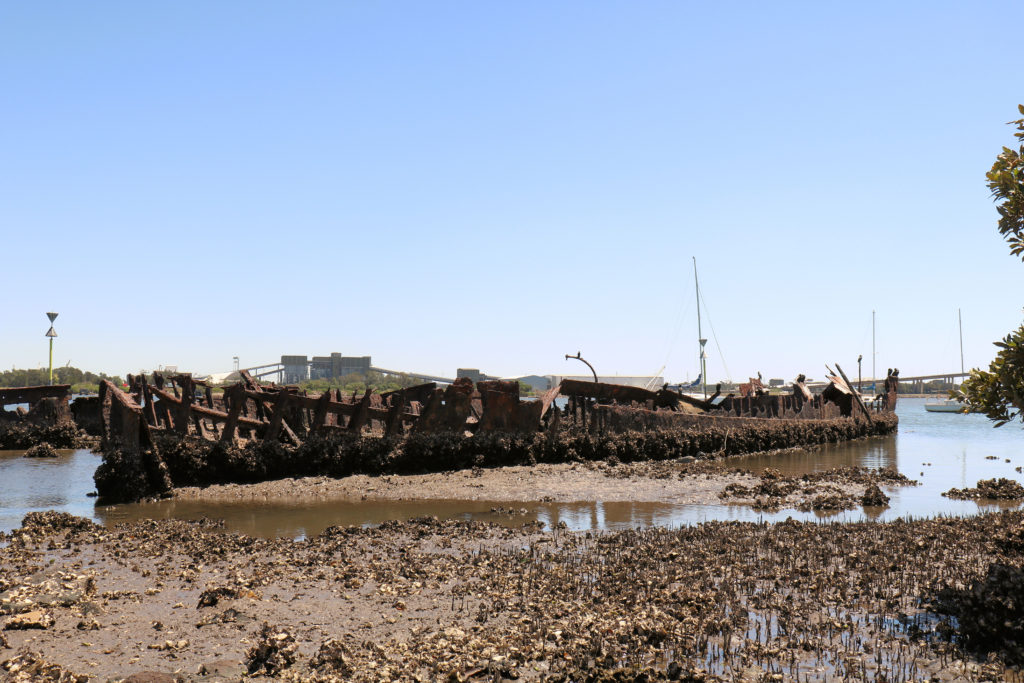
(32, 394)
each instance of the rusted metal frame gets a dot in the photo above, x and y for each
(166, 396)
(197, 419)
(105, 403)
(212, 406)
(186, 378)
(499, 410)
(429, 412)
(689, 400)
(149, 410)
(362, 414)
(333, 407)
(277, 412)
(32, 395)
(555, 417)
(856, 396)
(236, 395)
(393, 423)
(124, 416)
(615, 392)
(547, 399)
(183, 415)
(419, 392)
(277, 416)
(252, 385)
(319, 420)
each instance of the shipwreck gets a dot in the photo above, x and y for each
(165, 432)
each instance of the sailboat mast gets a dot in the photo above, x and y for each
(873, 375)
(960, 322)
(700, 335)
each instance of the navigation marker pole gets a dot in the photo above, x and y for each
(874, 389)
(51, 333)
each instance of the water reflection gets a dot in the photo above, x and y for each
(941, 450)
(874, 453)
(61, 483)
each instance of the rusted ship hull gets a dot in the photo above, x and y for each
(236, 435)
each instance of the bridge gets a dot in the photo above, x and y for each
(918, 380)
(271, 369)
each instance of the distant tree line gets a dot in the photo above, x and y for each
(379, 382)
(80, 380)
(359, 382)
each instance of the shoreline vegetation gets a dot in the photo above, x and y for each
(81, 381)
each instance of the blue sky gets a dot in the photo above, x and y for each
(494, 185)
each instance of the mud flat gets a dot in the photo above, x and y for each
(461, 601)
(676, 481)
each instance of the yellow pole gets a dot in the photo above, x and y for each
(51, 361)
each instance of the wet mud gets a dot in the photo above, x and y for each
(684, 482)
(462, 601)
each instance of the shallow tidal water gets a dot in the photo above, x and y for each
(940, 450)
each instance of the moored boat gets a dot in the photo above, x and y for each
(948, 406)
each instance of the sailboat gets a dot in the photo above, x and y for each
(950, 405)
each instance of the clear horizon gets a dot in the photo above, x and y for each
(495, 186)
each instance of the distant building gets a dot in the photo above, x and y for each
(776, 382)
(300, 368)
(295, 369)
(473, 374)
